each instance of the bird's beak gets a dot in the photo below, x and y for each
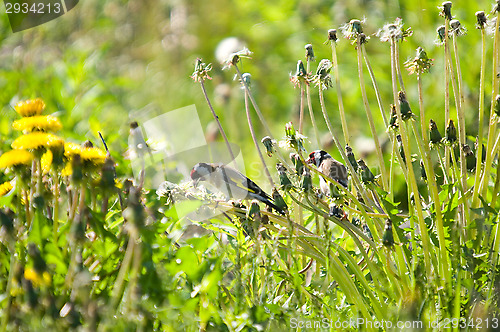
(195, 182)
(309, 161)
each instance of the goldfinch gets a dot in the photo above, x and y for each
(330, 167)
(231, 183)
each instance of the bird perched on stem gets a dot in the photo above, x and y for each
(329, 167)
(231, 182)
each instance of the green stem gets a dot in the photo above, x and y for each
(375, 85)
(252, 132)
(369, 115)
(309, 106)
(56, 205)
(480, 130)
(6, 311)
(345, 129)
(483, 188)
(216, 118)
(301, 111)
(118, 285)
(259, 114)
(398, 67)
(459, 99)
(354, 175)
(446, 94)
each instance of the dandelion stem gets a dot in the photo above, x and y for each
(411, 176)
(433, 187)
(375, 85)
(259, 114)
(354, 175)
(252, 132)
(369, 115)
(301, 110)
(398, 67)
(480, 129)
(118, 285)
(6, 310)
(309, 106)
(216, 118)
(345, 128)
(483, 188)
(56, 205)
(459, 100)
(446, 93)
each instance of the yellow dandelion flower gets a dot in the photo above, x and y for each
(15, 158)
(38, 123)
(70, 149)
(37, 279)
(37, 140)
(46, 161)
(5, 188)
(30, 107)
(95, 156)
(67, 170)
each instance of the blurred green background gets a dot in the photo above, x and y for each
(106, 63)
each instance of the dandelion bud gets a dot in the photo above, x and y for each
(87, 144)
(356, 26)
(323, 77)
(246, 78)
(481, 19)
(406, 112)
(324, 68)
(496, 106)
(77, 169)
(351, 158)
(38, 262)
(366, 175)
(297, 162)
(306, 183)
(393, 122)
(268, 143)
(301, 70)
(108, 174)
(309, 52)
(284, 180)
(332, 35)
(367, 232)
(289, 130)
(441, 31)
(335, 211)
(451, 133)
(446, 10)
(278, 200)
(363, 39)
(7, 220)
(79, 225)
(388, 237)
(470, 158)
(134, 213)
(457, 28)
(254, 212)
(434, 135)
(483, 150)
(30, 294)
(401, 149)
(423, 174)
